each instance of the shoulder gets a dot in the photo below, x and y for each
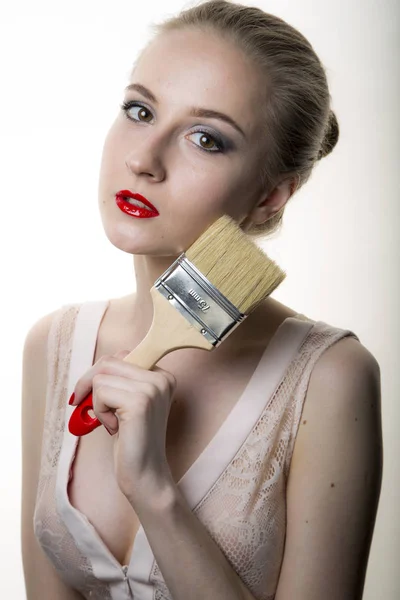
(34, 357)
(343, 392)
(37, 335)
(335, 476)
(346, 357)
(39, 330)
(34, 383)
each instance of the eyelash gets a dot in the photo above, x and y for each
(125, 106)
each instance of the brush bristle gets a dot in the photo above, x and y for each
(238, 268)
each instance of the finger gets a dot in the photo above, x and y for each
(166, 374)
(165, 380)
(148, 388)
(107, 364)
(170, 377)
(104, 413)
(121, 354)
(111, 404)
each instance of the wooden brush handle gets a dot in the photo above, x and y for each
(169, 331)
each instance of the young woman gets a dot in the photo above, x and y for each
(249, 473)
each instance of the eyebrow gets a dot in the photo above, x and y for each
(195, 111)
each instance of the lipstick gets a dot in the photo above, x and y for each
(135, 211)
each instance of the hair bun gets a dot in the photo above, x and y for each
(331, 136)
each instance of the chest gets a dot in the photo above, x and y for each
(204, 398)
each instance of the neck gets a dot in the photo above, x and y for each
(147, 269)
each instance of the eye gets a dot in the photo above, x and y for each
(215, 141)
(207, 136)
(126, 106)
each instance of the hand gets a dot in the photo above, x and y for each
(135, 404)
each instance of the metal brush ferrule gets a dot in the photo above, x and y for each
(198, 300)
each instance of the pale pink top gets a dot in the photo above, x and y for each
(236, 487)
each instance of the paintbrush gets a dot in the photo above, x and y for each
(199, 300)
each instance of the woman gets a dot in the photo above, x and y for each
(254, 471)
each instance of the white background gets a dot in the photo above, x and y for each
(63, 67)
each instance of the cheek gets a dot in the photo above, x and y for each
(244, 187)
(205, 187)
(231, 196)
(202, 202)
(218, 194)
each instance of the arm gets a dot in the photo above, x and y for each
(335, 479)
(41, 579)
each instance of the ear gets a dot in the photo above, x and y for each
(268, 206)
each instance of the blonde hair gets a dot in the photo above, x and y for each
(300, 126)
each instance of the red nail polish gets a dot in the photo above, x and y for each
(108, 430)
(70, 401)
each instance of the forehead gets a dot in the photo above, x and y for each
(195, 67)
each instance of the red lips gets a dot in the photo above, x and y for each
(139, 197)
(132, 210)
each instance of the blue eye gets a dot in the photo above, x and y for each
(218, 143)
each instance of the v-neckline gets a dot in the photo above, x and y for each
(217, 455)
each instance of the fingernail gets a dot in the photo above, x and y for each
(70, 401)
(109, 431)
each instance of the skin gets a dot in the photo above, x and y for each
(156, 153)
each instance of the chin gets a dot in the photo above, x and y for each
(143, 245)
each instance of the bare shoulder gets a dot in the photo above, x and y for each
(342, 358)
(37, 335)
(335, 477)
(34, 372)
(35, 347)
(344, 388)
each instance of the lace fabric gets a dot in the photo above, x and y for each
(245, 509)
(53, 536)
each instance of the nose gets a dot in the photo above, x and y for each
(145, 159)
